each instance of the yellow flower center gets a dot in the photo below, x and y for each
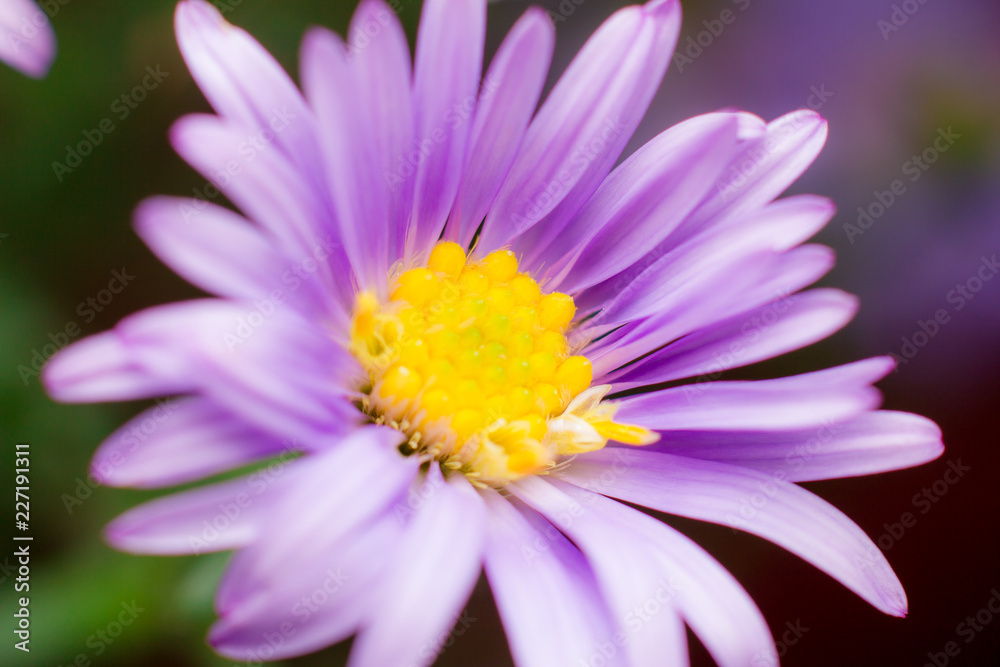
(471, 361)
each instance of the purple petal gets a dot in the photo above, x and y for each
(414, 606)
(583, 126)
(872, 443)
(508, 98)
(245, 84)
(103, 368)
(694, 267)
(134, 360)
(643, 200)
(27, 41)
(709, 598)
(765, 505)
(548, 599)
(356, 186)
(380, 55)
(323, 601)
(262, 361)
(766, 167)
(219, 517)
(272, 193)
(769, 331)
(222, 253)
(283, 373)
(641, 589)
(763, 278)
(176, 442)
(332, 554)
(446, 77)
(325, 499)
(770, 159)
(796, 402)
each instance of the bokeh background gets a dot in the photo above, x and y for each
(889, 76)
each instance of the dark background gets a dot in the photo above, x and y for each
(888, 93)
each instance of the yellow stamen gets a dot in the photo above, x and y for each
(471, 360)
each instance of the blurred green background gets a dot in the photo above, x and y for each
(63, 234)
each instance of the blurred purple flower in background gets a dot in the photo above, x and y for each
(433, 294)
(27, 41)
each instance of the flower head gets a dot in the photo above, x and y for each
(27, 41)
(475, 333)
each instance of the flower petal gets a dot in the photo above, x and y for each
(643, 200)
(272, 193)
(113, 366)
(688, 269)
(872, 443)
(322, 601)
(323, 498)
(709, 598)
(223, 253)
(771, 157)
(176, 442)
(763, 277)
(767, 166)
(788, 403)
(207, 519)
(339, 535)
(349, 144)
(790, 516)
(509, 95)
(582, 127)
(380, 55)
(414, 606)
(279, 371)
(550, 604)
(27, 41)
(769, 331)
(639, 587)
(245, 84)
(447, 69)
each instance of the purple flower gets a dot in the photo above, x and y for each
(460, 336)
(26, 38)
